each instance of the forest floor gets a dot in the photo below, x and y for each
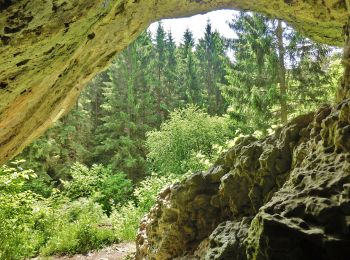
(113, 252)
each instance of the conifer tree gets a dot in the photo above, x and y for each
(213, 59)
(266, 82)
(189, 88)
(126, 102)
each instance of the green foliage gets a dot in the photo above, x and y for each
(188, 131)
(19, 212)
(85, 181)
(263, 61)
(322, 80)
(17, 239)
(97, 182)
(126, 218)
(16, 213)
(213, 60)
(13, 178)
(116, 189)
(189, 91)
(30, 224)
(77, 227)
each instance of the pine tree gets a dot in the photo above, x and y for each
(213, 59)
(310, 74)
(126, 102)
(188, 85)
(260, 78)
(252, 80)
(159, 77)
(282, 72)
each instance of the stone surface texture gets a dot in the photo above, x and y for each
(49, 49)
(283, 197)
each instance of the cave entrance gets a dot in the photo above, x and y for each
(88, 38)
(167, 106)
(236, 72)
(239, 72)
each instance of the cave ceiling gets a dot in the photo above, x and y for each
(50, 49)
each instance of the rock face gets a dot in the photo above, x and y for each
(49, 49)
(284, 197)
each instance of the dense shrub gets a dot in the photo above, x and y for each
(126, 218)
(78, 227)
(31, 224)
(100, 183)
(17, 214)
(188, 131)
(116, 189)
(17, 239)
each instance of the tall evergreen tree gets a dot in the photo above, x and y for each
(170, 74)
(253, 80)
(282, 72)
(188, 84)
(213, 59)
(127, 100)
(269, 58)
(309, 76)
(160, 90)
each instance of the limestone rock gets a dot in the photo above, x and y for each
(294, 185)
(49, 49)
(308, 218)
(242, 180)
(226, 242)
(182, 217)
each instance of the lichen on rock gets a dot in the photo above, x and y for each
(308, 218)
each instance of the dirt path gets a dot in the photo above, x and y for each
(114, 252)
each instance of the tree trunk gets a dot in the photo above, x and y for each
(343, 91)
(282, 73)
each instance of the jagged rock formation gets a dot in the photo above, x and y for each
(284, 197)
(49, 49)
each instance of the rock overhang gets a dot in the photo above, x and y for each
(50, 49)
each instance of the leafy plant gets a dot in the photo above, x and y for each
(187, 132)
(126, 218)
(17, 215)
(78, 227)
(98, 182)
